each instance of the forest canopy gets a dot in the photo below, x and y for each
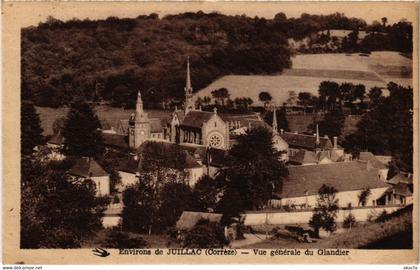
(110, 60)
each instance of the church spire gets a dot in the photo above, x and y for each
(317, 142)
(188, 88)
(139, 104)
(189, 103)
(275, 129)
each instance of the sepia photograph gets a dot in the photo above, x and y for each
(186, 129)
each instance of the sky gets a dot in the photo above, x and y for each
(394, 11)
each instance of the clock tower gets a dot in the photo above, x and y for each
(138, 126)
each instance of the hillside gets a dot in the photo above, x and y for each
(309, 70)
(111, 59)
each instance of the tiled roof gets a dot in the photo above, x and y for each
(401, 178)
(180, 114)
(191, 162)
(122, 127)
(305, 141)
(303, 157)
(156, 125)
(344, 176)
(115, 140)
(402, 189)
(373, 161)
(196, 118)
(105, 125)
(56, 139)
(188, 219)
(87, 167)
(130, 165)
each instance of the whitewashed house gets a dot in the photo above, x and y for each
(300, 188)
(88, 168)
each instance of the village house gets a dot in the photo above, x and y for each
(300, 188)
(310, 150)
(87, 168)
(401, 191)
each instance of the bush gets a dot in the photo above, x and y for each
(205, 234)
(349, 221)
(382, 217)
(118, 239)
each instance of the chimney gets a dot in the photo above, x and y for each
(281, 131)
(335, 142)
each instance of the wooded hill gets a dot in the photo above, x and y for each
(112, 59)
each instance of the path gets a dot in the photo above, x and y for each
(249, 240)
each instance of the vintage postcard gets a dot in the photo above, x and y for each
(210, 132)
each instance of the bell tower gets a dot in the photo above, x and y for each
(138, 126)
(189, 103)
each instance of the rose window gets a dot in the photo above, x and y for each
(215, 141)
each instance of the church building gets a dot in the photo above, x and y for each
(193, 127)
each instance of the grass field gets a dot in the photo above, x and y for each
(309, 70)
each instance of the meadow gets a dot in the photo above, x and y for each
(309, 70)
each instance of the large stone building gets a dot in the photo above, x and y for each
(192, 126)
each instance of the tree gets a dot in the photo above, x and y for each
(325, 211)
(375, 94)
(304, 99)
(205, 234)
(384, 21)
(349, 221)
(265, 98)
(176, 198)
(292, 100)
(252, 171)
(387, 128)
(220, 94)
(328, 94)
(332, 124)
(81, 133)
(161, 194)
(148, 209)
(206, 191)
(30, 128)
(363, 196)
(141, 205)
(359, 93)
(55, 211)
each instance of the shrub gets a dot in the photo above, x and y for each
(205, 234)
(325, 211)
(118, 239)
(349, 221)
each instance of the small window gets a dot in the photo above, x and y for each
(215, 124)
